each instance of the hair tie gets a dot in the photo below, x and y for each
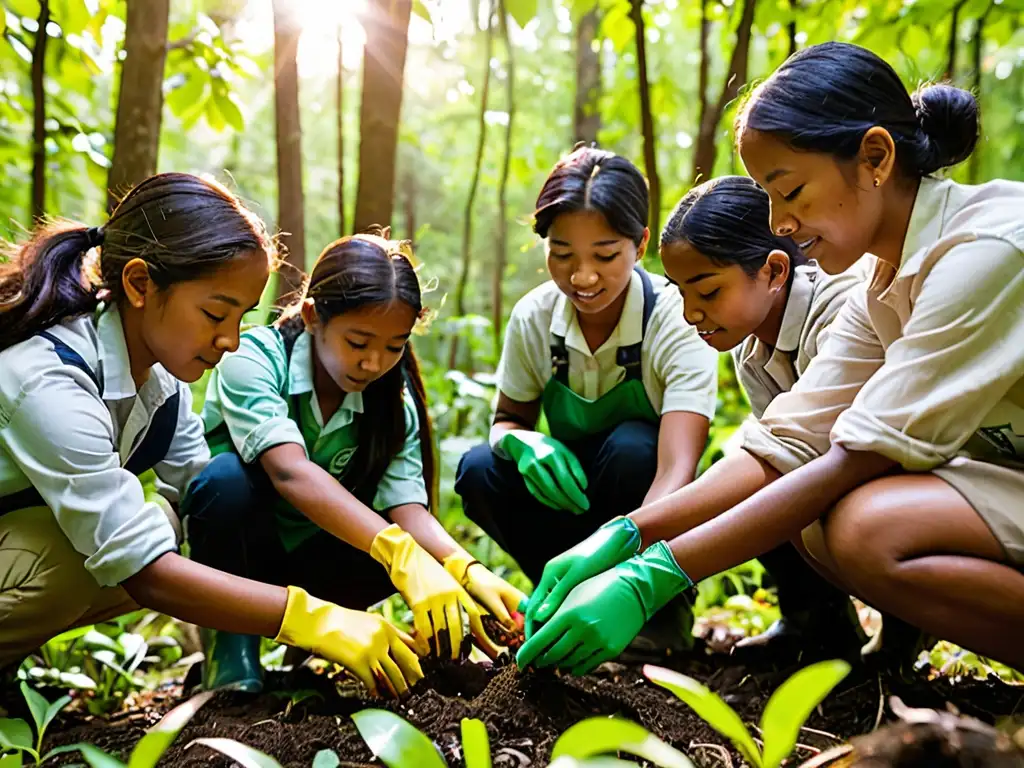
(94, 236)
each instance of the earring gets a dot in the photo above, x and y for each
(877, 181)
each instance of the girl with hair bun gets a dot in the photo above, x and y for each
(897, 460)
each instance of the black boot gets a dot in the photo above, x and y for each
(897, 647)
(818, 620)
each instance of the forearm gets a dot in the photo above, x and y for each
(201, 595)
(415, 520)
(727, 483)
(681, 439)
(775, 514)
(321, 498)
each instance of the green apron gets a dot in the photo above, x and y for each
(571, 417)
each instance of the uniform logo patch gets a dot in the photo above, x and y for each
(341, 460)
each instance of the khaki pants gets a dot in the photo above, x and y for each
(44, 587)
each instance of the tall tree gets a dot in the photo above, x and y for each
(501, 255)
(647, 123)
(341, 134)
(140, 101)
(587, 113)
(39, 112)
(290, 201)
(791, 26)
(735, 78)
(951, 46)
(387, 29)
(974, 166)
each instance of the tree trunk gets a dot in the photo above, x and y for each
(290, 218)
(647, 124)
(501, 257)
(736, 77)
(791, 27)
(587, 113)
(409, 204)
(341, 137)
(974, 166)
(703, 108)
(387, 28)
(141, 99)
(467, 218)
(39, 113)
(954, 26)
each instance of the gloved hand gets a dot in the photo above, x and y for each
(551, 471)
(602, 615)
(434, 597)
(609, 545)
(495, 594)
(364, 643)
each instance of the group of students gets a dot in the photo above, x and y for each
(875, 316)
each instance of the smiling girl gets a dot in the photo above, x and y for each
(626, 387)
(323, 460)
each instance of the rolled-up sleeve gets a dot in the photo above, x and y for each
(187, 454)
(517, 374)
(687, 366)
(62, 439)
(402, 482)
(961, 351)
(795, 427)
(249, 385)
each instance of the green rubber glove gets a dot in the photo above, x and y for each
(613, 542)
(552, 472)
(602, 615)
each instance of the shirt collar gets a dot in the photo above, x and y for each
(115, 365)
(629, 329)
(798, 306)
(927, 216)
(300, 382)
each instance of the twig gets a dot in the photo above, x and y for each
(722, 751)
(827, 756)
(881, 706)
(809, 748)
(821, 733)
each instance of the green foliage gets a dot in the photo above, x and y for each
(476, 747)
(15, 733)
(599, 735)
(395, 742)
(784, 715)
(326, 758)
(245, 756)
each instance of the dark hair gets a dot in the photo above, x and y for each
(728, 220)
(826, 97)
(359, 271)
(592, 179)
(182, 226)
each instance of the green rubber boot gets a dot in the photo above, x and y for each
(232, 662)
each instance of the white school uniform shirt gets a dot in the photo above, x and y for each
(680, 372)
(60, 435)
(926, 362)
(815, 298)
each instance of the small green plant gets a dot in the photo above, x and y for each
(16, 735)
(784, 715)
(476, 746)
(395, 742)
(591, 738)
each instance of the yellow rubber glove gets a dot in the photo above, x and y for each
(365, 644)
(435, 598)
(492, 592)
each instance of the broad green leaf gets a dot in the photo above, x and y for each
(51, 712)
(12, 760)
(189, 93)
(599, 735)
(326, 758)
(24, 8)
(394, 741)
(247, 757)
(581, 8)
(476, 747)
(710, 707)
(37, 705)
(214, 116)
(151, 746)
(94, 640)
(594, 762)
(228, 107)
(421, 10)
(522, 11)
(15, 733)
(791, 705)
(95, 757)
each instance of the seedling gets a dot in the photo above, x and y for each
(784, 715)
(16, 735)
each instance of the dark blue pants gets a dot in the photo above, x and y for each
(620, 466)
(229, 512)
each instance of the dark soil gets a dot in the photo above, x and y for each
(525, 712)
